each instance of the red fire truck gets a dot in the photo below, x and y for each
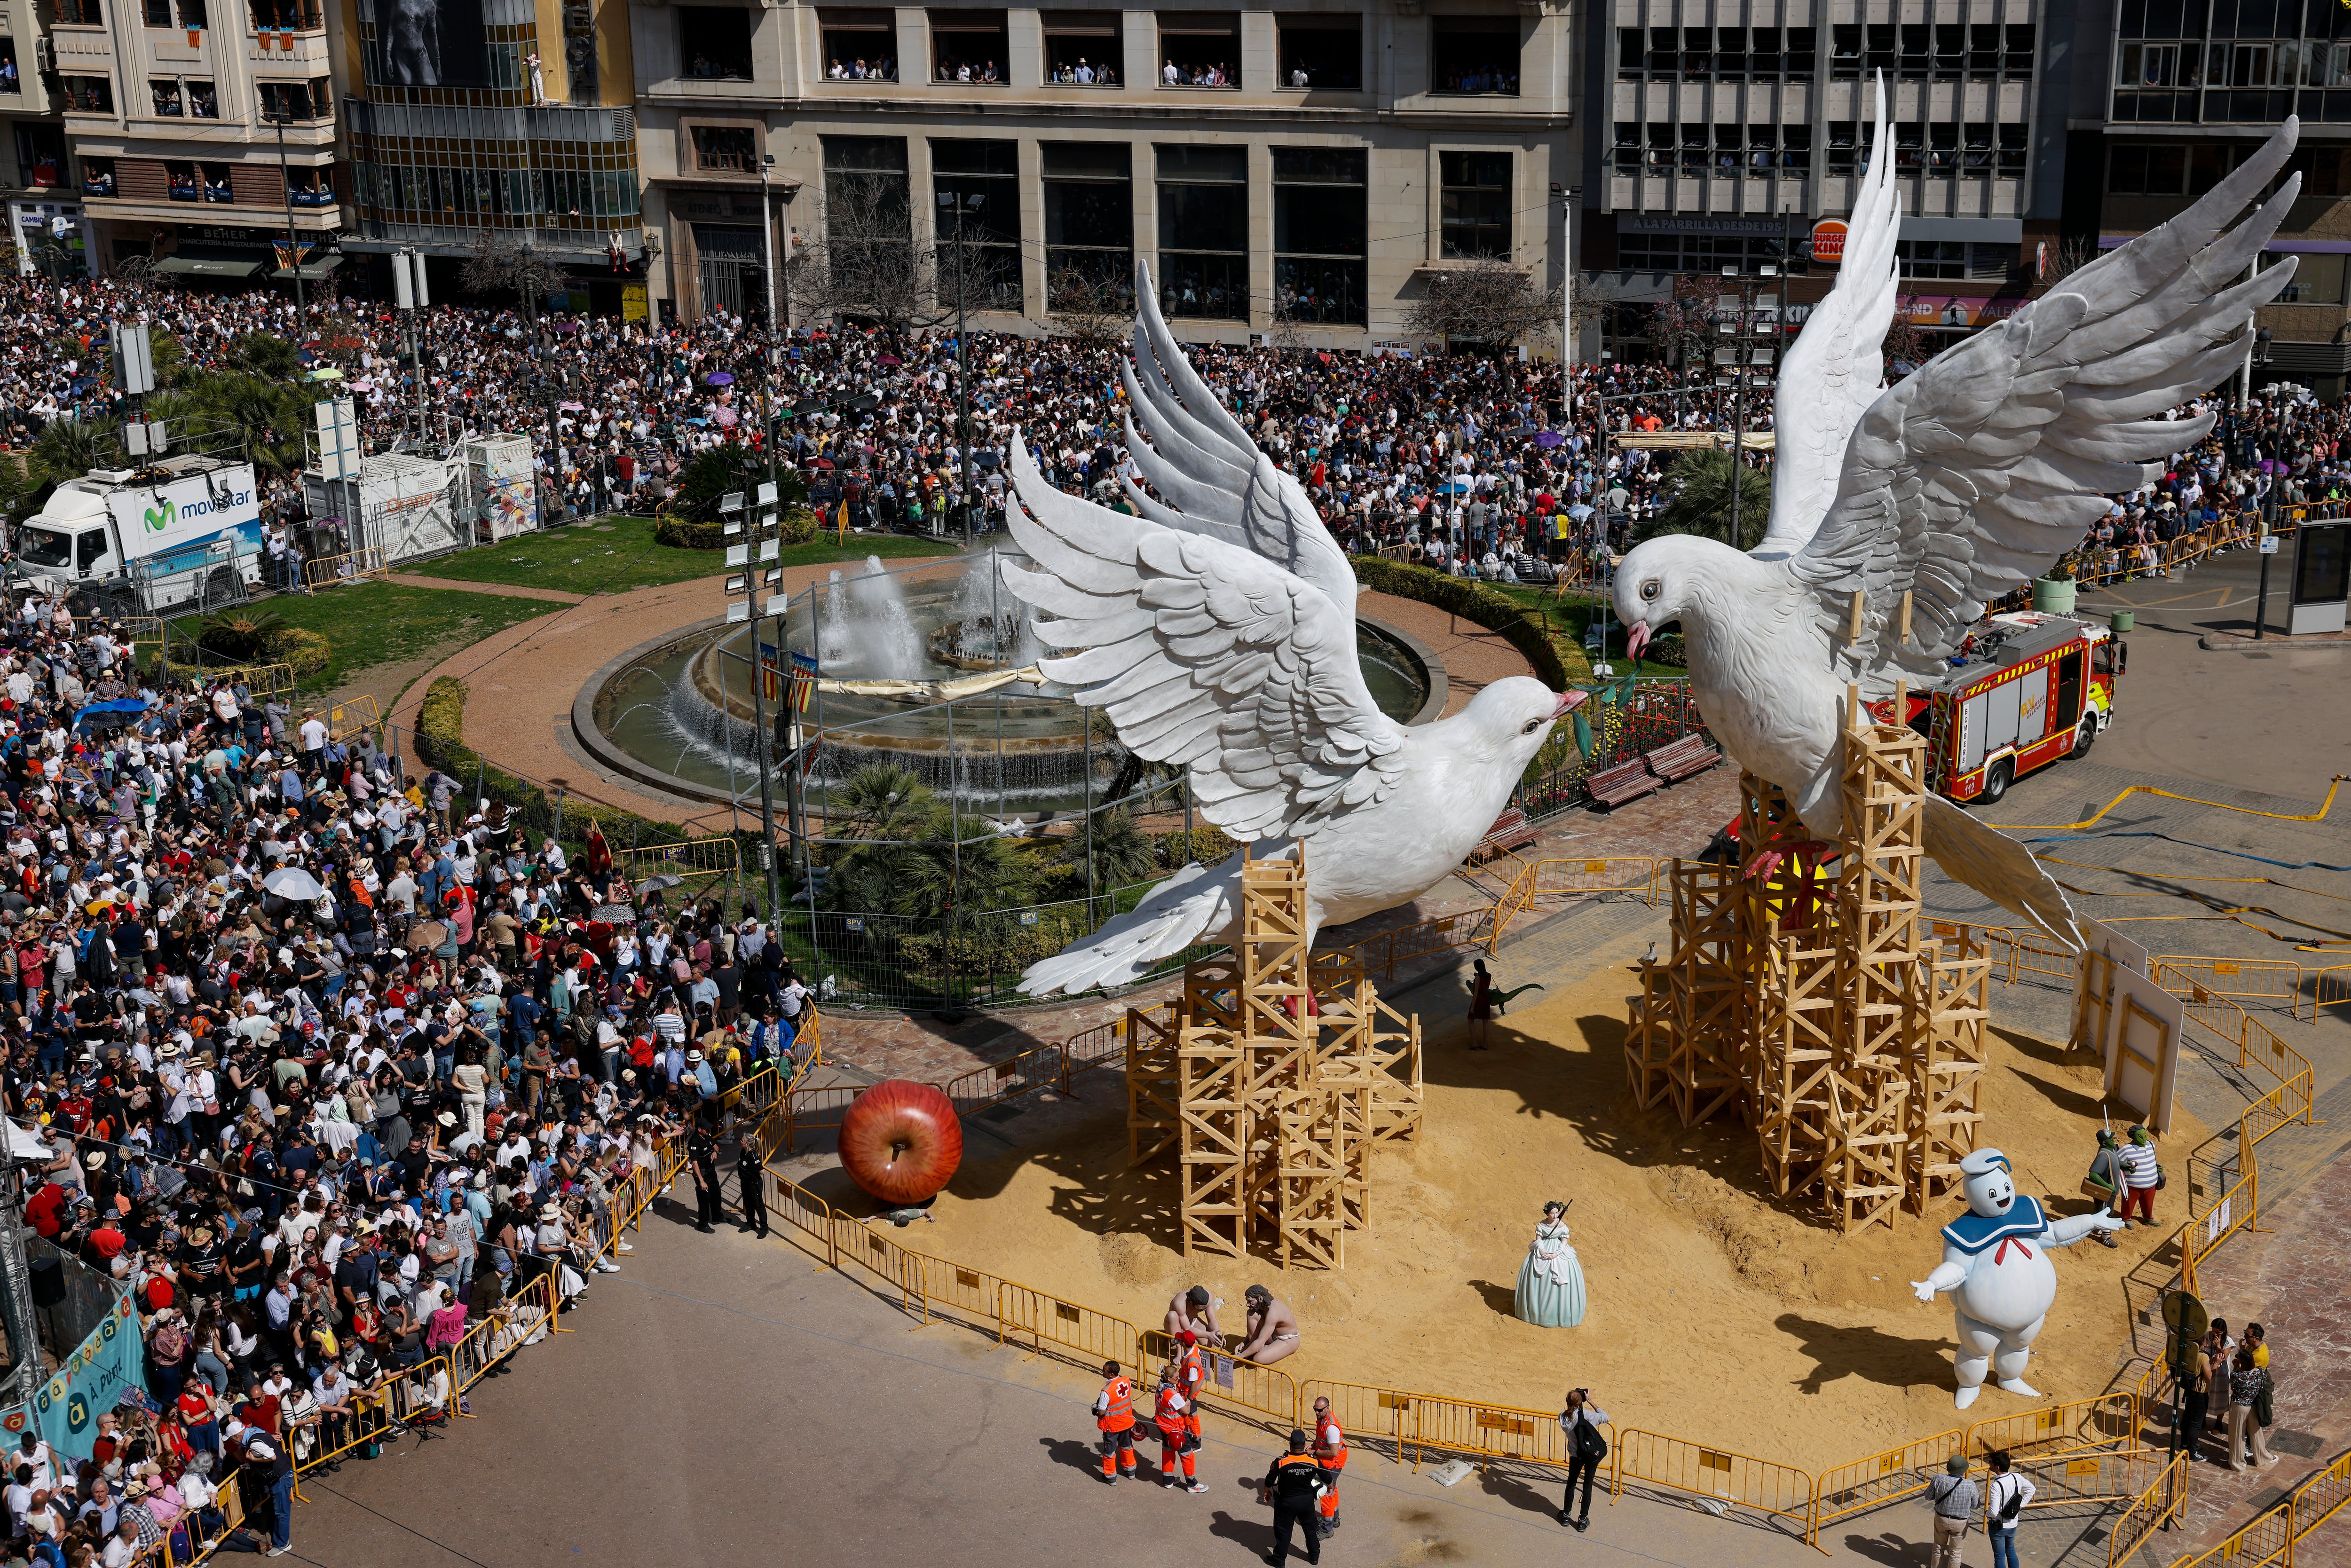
(2025, 689)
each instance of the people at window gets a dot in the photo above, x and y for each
(167, 98)
(98, 183)
(1084, 74)
(1217, 75)
(1481, 78)
(184, 186)
(883, 70)
(951, 69)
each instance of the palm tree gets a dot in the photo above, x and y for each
(69, 448)
(265, 355)
(1120, 853)
(977, 875)
(1701, 503)
(880, 802)
(263, 418)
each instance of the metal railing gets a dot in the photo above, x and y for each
(1570, 877)
(2268, 1541)
(352, 566)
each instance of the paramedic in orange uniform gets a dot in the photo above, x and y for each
(1114, 1416)
(1330, 1451)
(1173, 1415)
(1190, 1375)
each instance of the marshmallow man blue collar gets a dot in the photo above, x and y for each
(1972, 1232)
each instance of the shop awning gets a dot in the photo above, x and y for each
(205, 266)
(311, 271)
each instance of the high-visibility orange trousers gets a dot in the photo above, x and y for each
(1118, 1451)
(1175, 1446)
(1334, 1464)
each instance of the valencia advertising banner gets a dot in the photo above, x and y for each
(110, 1362)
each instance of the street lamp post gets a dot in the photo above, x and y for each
(1568, 195)
(959, 203)
(293, 241)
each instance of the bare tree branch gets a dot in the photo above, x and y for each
(1485, 303)
(1094, 310)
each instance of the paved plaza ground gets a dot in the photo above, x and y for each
(725, 1400)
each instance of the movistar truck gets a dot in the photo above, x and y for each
(183, 531)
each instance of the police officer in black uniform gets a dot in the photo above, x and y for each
(702, 1155)
(750, 1173)
(1293, 1483)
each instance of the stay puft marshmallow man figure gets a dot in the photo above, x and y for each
(1996, 1265)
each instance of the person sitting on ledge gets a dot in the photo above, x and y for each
(1272, 1328)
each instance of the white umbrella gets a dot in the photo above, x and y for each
(293, 883)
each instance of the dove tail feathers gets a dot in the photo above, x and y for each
(1997, 867)
(1196, 902)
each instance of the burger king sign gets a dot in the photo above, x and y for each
(1828, 240)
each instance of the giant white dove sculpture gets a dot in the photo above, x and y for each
(1971, 476)
(1218, 631)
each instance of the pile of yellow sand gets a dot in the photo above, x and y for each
(1717, 1312)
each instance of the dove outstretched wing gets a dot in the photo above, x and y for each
(1976, 474)
(1208, 657)
(1209, 477)
(1836, 367)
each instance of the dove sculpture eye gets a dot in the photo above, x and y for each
(1649, 589)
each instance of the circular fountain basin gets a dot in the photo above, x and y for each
(681, 713)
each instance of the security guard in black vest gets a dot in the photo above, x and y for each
(702, 1164)
(1293, 1483)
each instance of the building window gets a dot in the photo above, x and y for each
(580, 71)
(982, 180)
(2317, 280)
(1845, 52)
(81, 13)
(1931, 258)
(859, 45)
(1084, 48)
(1199, 49)
(969, 47)
(1476, 205)
(285, 16)
(285, 101)
(165, 96)
(191, 14)
(1627, 148)
(1850, 145)
(86, 95)
(868, 224)
(198, 183)
(2015, 146)
(310, 187)
(1089, 220)
(98, 177)
(1321, 204)
(1203, 231)
(158, 13)
(1477, 55)
(1321, 53)
(203, 103)
(733, 148)
(715, 42)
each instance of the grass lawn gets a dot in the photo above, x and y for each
(587, 560)
(377, 623)
(1568, 618)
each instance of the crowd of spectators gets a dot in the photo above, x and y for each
(1467, 462)
(335, 1064)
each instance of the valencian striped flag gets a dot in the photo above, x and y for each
(772, 679)
(803, 682)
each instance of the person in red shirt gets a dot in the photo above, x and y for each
(46, 1213)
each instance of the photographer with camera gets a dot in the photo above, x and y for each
(1582, 1421)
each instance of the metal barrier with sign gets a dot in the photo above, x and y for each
(1078, 1333)
(1741, 1481)
(352, 566)
(1262, 1396)
(1367, 1415)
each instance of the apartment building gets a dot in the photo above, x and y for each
(1305, 167)
(514, 118)
(1734, 127)
(196, 131)
(46, 223)
(2178, 93)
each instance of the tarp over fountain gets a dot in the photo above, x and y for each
(683, 708)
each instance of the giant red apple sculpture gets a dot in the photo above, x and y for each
(901, 1142)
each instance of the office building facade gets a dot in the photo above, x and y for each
(1301, 171)
(1724, 130)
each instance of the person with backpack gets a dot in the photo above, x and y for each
(1586, 1447)
(2004, 1502)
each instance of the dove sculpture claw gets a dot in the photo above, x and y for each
(1970, 478)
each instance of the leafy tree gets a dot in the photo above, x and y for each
(1121, 853)
(1701, 502)
(69, 448)
(879, 802)
(263, 354)
(706, 481)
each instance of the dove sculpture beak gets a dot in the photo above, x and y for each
(1636, 637)
(1568, 703)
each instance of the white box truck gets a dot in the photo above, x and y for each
(175, 534)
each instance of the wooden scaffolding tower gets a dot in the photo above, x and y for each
(1275, 1079)
(1818, 1012)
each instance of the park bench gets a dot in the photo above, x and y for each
(1682, 759)
(1625, 781)
(1511, 830)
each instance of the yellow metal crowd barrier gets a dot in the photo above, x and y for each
(352, 566)
(2159, 1505)
(1742, 1480)
(711, 857)
(1094, 1337)
(1573, 877)
(1259, 1395)
(2270, 1540)
(347, 718)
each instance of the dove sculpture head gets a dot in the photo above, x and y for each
(1510, 720)
(1672, 578)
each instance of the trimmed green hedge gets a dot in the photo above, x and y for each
(441, 737)
(683, 533)
(1471, 601)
